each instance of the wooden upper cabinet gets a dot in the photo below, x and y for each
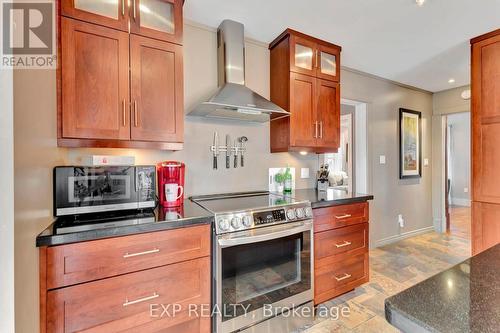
(94, 79)
(303, 124)
(113, 14)
(485, 116)
(156, 90)
(159, 19)
(328, 113)
(310, 69)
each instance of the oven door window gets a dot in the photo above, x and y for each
(264, 273)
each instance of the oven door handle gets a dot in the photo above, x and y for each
(234, 241)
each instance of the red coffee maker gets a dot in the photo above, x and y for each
(171, 183)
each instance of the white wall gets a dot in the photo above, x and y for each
(6, 203)
(459, 158)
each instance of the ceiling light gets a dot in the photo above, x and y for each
(420, 3)
(465, 94)
(303, 153)
(451, 81)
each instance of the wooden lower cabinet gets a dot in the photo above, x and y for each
(146, 299)
(341, 243)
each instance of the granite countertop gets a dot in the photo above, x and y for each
(464, 298)
(189, 214)
(332, 197)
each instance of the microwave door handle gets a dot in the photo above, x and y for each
(229, 242)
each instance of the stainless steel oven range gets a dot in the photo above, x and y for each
(263, 262)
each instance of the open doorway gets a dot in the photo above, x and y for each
(457, 171)
(348, 167)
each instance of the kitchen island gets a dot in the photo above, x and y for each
(464, 298)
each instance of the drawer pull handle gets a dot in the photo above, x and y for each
(346, 243)
(130, 255)
(346, 276)
(341, 217)
(140, 300)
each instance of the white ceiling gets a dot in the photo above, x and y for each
(419, 46)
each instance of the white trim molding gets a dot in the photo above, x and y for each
(404, 235)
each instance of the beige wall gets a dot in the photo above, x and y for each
(6, 202)
(449, 101)
(393, 196)
(36, 153)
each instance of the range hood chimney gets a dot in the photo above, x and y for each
(234, 100)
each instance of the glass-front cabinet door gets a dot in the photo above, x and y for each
(303, 58)
(328, 62)
(159, 19)
(109, 13)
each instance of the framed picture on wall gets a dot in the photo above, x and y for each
(410, 144)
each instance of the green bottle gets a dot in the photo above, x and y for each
(288, 181)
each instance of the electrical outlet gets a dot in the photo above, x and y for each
(401, 221)
(304, 173)
(466, 190)
(382, 159)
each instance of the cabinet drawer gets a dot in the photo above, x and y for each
(88, 261)
(335, 279)
(348, 240)
(340, 216)
(132, 302)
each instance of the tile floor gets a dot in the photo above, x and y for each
(393, 268)
(460, 221)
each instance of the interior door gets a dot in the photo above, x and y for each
(328, 114)
(303, 123)
(156, 90)
(328, 62)
(95, 81)
(159, 19)
(302, 56)
(113, 14)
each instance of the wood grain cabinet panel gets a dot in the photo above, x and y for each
(340, 216)
(485, 116)
(95, 76)
(132, 302)
(310, 68)
(347, 240)
(87, 261)
(156, 90)
(328, 114)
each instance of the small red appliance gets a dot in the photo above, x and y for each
(171, 183)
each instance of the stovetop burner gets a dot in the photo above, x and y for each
(249, 210)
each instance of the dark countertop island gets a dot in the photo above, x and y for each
(332, 197)
(464, 298)
(65, 231)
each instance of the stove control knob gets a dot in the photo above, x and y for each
(236, 222)
(309, 212)
(290, 214)
(223, 224)
(300, 213)
(247, 221)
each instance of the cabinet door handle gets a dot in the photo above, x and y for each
(345, 243)
(345, 276)
(124, 113)
(341, 217)
(134, 9)
(136, 119)
(140, 300)
(321, 130)
(315, 129)
(131, 255)
(123, 7)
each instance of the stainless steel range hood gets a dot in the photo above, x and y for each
(234, 100)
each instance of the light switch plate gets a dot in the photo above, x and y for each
(382, 159)
(304, 173)
(426, 161)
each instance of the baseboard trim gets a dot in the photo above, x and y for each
(460, 202)
(396, 238)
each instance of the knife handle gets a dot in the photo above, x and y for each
(215, 162)
(235, 161)
(242, 160)
(228, 163)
